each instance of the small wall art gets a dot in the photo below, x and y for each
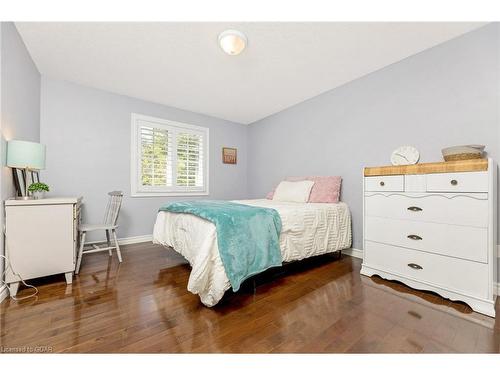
(229, 155)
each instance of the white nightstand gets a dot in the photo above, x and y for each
(41, 238)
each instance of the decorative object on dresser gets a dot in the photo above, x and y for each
(28, 157)
(229, 155)
(35, 177)
(405, 155)
(38, 189)
(19, 182)
(462, 152)
(433, 226)
(40, 238)
(108, 225)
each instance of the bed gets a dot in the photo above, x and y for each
(308, 229)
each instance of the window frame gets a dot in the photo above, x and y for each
(136, 188)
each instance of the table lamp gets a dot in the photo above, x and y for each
(27, 156)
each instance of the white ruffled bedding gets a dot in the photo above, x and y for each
(308, 229)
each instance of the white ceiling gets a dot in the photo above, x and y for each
(181, 64)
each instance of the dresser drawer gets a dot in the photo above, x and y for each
(451, 240)
(384, 183)
(468, 182)
(455, 274)
(437, 208)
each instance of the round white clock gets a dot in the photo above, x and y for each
(405, 155)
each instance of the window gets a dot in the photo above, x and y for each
(168, 158)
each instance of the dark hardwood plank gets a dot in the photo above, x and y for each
(316, 305)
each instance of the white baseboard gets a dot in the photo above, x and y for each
(136, 239)
(3, 292)
(355, 253)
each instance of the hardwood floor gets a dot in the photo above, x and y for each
(317, 305)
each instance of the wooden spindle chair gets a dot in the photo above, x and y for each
(108, 225)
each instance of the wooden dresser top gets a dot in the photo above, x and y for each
(472, 165)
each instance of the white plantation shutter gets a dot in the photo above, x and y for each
(189, 160)
(168, 158)
(156, 156)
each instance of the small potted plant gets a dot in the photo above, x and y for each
(38, 189)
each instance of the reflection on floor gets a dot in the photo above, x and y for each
(316, 305)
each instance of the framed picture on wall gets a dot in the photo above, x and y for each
(229, 155)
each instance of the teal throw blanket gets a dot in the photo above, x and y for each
(247, 236)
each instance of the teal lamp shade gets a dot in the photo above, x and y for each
(22, 154)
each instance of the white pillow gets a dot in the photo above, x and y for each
(293, 191)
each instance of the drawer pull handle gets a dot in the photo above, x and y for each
(382, 183)
(415, 266)
(454, 182)
(414, 209)
(414, 237)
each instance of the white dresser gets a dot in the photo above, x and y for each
(433, 227)
(41, 238)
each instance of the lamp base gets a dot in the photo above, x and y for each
(26, 198)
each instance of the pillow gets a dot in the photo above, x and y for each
(326, 189)
(288, 191)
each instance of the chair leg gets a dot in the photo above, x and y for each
(109, 243)
(117, 247)
(80, 253)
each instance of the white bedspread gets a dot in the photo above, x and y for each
(308, 229)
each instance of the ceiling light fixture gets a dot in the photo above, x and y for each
(233, 42)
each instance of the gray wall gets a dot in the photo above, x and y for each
(444, 96)
(19, 103)
(87, 134)
(20, 96)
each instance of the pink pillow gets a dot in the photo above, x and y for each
(326, 189)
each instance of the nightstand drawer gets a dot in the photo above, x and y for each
(455, 274)
(469, 182)
(451, 240)
(384, 183)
